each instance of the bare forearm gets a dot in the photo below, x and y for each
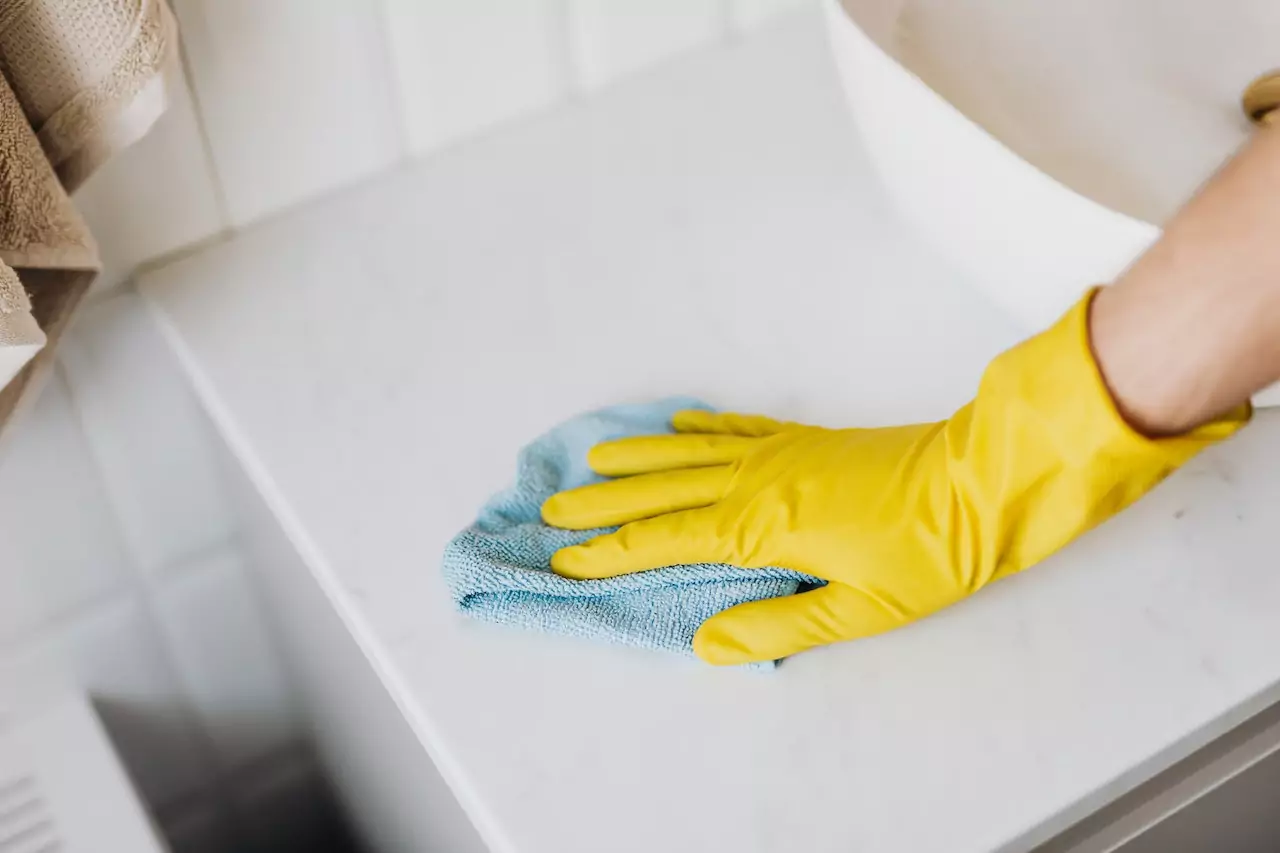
(1193, 327)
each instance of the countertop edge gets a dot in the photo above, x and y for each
(363, 635)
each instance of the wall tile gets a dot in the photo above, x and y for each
(612, 38)
(112, 653)
(152, 441)
(462, 67)
(746, 14)
(61, 546)
(296, 96)
(152, 198)
(226, 657)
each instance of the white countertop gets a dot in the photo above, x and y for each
(377, 360)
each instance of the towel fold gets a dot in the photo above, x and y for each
(79, 80)
(498, 570)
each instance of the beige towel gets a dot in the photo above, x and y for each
(79, 79)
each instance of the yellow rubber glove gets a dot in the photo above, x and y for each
(901, 521)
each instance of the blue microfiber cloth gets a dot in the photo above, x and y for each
(498, 569)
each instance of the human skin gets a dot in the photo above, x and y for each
(1192, 329)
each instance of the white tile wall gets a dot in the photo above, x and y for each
(296, 95)
(613, 38)
(293, 98)
(462, 67)
(153, 198)
(44, 494)
(747, 14)
(154, 445)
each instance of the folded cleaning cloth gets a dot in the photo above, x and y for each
(499, 568)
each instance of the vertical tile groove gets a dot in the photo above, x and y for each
(394, 83)
(206, 149)
(728, 31)
(575, 44)
(563, 30)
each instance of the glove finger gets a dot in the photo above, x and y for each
(644, 454)
(668, 540)
(633, 498)
(774, 628)
(727, 423)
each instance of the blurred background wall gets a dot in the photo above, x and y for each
(132, 578)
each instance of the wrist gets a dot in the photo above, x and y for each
(1172, 364)
(1044, 453)
(1192, 328)
(1148, 388)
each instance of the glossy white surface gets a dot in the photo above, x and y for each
(376, 362)
(1027, 240)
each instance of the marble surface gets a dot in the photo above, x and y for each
(376, 360)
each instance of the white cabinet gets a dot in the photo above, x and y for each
(382, 775)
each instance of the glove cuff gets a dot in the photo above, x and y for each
(1043, 454)
(1079, 410)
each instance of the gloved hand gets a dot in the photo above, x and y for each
(900, 522)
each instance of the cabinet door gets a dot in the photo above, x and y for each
(388, 786)
(1225, 797)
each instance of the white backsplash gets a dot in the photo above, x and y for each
(292, 99)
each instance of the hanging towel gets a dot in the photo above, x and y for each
(498, 569)
(79, 80)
